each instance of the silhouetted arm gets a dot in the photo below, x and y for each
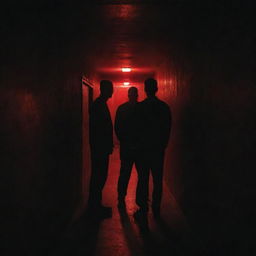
(117, 125)
(101, 129)
(94, 124)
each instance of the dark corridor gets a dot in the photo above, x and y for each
(202, 55)
(121, 235)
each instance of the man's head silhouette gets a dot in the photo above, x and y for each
(150, 87)
(106, 89)
(133, 94)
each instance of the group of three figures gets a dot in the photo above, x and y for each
(143, 129)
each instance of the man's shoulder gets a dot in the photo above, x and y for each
(163, 103)
(140, 105)
(97, 101)
(157, 104)
(124, 106)
(143, 103)
(96, 105)
(156, 101)
(165, 107)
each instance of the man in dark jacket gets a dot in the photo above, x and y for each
(125, 128)
(101, 144)
(154, 128)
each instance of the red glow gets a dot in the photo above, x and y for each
(126, 69)
(111, 70)
(122, 84)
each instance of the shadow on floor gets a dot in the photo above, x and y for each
(81, 239)
(163, 241)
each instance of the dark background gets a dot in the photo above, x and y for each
(209, 49)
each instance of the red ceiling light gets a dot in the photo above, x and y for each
(126, 83)
(126, 69)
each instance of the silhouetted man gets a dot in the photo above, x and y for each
(125, 128)
(154, 127)
(101, 144)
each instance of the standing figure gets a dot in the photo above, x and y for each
(153, 134)
(101, 144)
(125, 128)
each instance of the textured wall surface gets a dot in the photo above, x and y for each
(40, 105)
(209, 158)
(41, 155)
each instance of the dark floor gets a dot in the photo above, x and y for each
(120, 235)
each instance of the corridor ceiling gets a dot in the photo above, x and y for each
(129, 35)
(107, 34)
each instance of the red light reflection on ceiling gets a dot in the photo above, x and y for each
(141, 70)
(121, 11)
(123, 84)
